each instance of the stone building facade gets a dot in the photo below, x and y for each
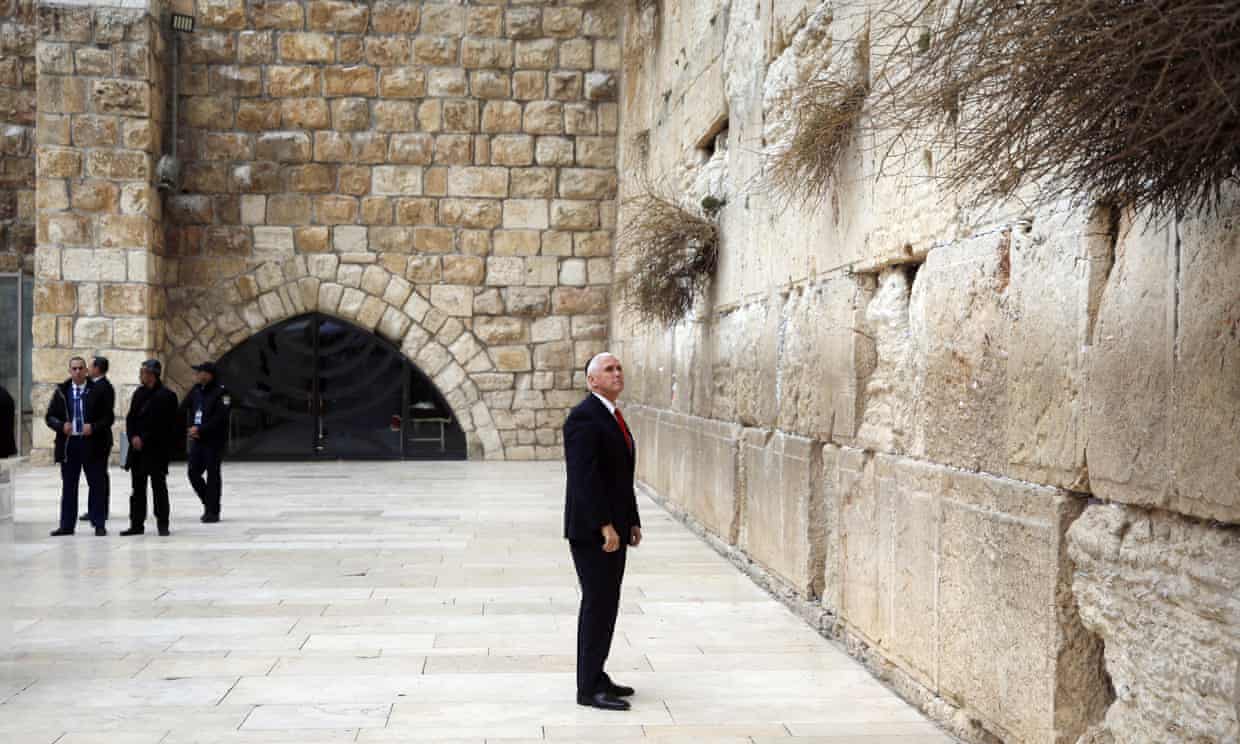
(441, 174)
(989, 447)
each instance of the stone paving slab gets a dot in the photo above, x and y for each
(399, 602)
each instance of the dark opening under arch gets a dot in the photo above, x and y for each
(317, 387)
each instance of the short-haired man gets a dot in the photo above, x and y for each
(205, 413)
(102, 388)
(151, 426)
(78, 418)
(600, 522)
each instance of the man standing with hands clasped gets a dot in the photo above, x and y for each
(600, 522)
(152, 428)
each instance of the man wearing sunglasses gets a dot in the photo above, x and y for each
(76, 415)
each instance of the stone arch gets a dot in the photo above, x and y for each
(206, 323)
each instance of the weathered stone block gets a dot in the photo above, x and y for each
(353, 80)
(396, 180)
(394, 17)
(464, 269)
(306, 47)
(453, 300)
(544, 117)
(574, 215)
(288, 147)
(1140, 574)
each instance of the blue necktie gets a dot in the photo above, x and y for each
(77, 410)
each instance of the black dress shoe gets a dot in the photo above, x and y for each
(620, 690)
(85, 517)
(604, 700)
(163, 531)
(101, 532)
(60, 533)
(210, 518)
(132, 531)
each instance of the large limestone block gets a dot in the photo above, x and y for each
(701, 469)
(1163, 593)
(1163, 392)
(961, 580)
(1012, 646)
(783, 525)
(824, 358)
(744, 356)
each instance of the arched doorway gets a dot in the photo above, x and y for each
(314, 386)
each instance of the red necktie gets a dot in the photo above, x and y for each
(625, 429)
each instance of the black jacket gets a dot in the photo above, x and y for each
(8, 420)
(107, 409)
(94, 412)
(153, 417)
(600, 474)
(213, 400)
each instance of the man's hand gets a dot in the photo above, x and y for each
(87, 429)
(635, 536)
(193, 432)
(136, 441)
(68, 428)
(611, 539)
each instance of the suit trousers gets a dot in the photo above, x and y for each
(600, 575)
(77, 460)
(139, 475)
(204, 459)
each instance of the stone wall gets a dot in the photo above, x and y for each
(17, 135)
(441, 173)
(898, 402)
(98, 260)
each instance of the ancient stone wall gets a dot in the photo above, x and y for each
(98, 259)
(442, 173)
(17, 135)
(899, 402)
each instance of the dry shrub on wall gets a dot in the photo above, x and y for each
(673, 252)
(1131, 102)
(825, 117)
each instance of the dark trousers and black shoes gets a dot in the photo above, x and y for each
(206, 460)
(600, 575)
(75, 463)
(158, 477)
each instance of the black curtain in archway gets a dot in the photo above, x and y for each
(315, 386)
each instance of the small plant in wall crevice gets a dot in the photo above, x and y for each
(673, 252)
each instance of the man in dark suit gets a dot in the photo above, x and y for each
(79, 419)
(205, 414)
(8, 424)
(151, 426)
(101, 387)
(600, 522)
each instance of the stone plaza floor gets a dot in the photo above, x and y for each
(398, 602)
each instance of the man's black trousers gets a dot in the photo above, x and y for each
(204, 459)
(600, 575)
(139, 475)
(77, 459)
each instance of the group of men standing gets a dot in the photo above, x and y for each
(81, 412)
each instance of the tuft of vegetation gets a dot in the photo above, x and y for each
(674, 253)
(1133, 102)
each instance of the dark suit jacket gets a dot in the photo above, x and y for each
(107, 413)
(153, 416)
(600, 474)
(93, 413)
(214, 402)
(8, 422)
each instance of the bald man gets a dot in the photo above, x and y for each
(600, 523)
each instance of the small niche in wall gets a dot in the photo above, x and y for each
(715, 140)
